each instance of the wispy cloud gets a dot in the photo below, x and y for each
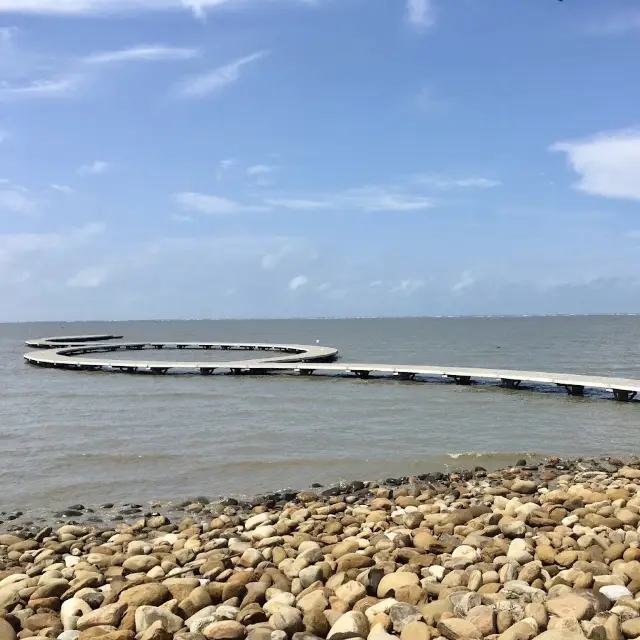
(420, 13)
(408, 286)
(367, 199)
(467, 279)
(99, 8)
(261, 169)
(143, 53)
(608, 163)
(16, 200)
(4, 135)
(298, 282)
(472, 182)
(208, 83)
(298, 204)
(61, 188)
(96, 168)
(212, 205)
(224, 166)
(89, 278)
(59, 87)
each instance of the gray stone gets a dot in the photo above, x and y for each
(402, 614)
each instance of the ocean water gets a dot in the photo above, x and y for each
(70, 437)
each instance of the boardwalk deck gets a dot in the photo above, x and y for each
(305, 360)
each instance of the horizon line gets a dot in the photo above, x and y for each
(290, 318)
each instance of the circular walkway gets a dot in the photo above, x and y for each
(66, 352)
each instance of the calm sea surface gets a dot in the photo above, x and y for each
(70, 437)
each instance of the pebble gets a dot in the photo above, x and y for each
(549, 552)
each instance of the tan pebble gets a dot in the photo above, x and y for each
(415, 631)
(41, 621)
(411, 594)
(316, 622)
(95, 632)
(456, 628)
(224, 630)
(353, 622)
(151, 594)
(538, 612)
(545, 553)
(381, 619)
(484, 618)
(156, 632)
(393, 581)
(504, 620)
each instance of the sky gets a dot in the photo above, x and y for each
(278, 158)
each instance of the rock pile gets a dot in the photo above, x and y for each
(550, 552)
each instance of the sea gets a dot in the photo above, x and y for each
(79, 437)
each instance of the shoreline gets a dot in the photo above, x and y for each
(476, 554)
(107, 514)
(95, 514)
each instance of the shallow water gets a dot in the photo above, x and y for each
(90, 437)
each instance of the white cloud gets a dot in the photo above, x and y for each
(270, 261)
(99, 8)
(420, 13)
(143, 53)
(18, 244)
(483, 183)
(467, 279)
(463, 183)
(62, 188)
(212, 205)
(298, 204)
(207, 83)
(224, 166)
(96, 168)
(379, 199)
(59, 87)
(367, 199)
(409, 286)
(298, 283)
(89, 278)
(608, 163)
(16, 201)
(261, 169)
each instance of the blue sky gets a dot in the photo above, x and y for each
(261, 158)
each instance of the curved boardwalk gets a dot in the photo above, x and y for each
(66, 353)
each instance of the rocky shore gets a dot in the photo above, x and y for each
(550, 550)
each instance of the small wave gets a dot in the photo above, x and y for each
(497, 455)
(290, 463)
(120, 458)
